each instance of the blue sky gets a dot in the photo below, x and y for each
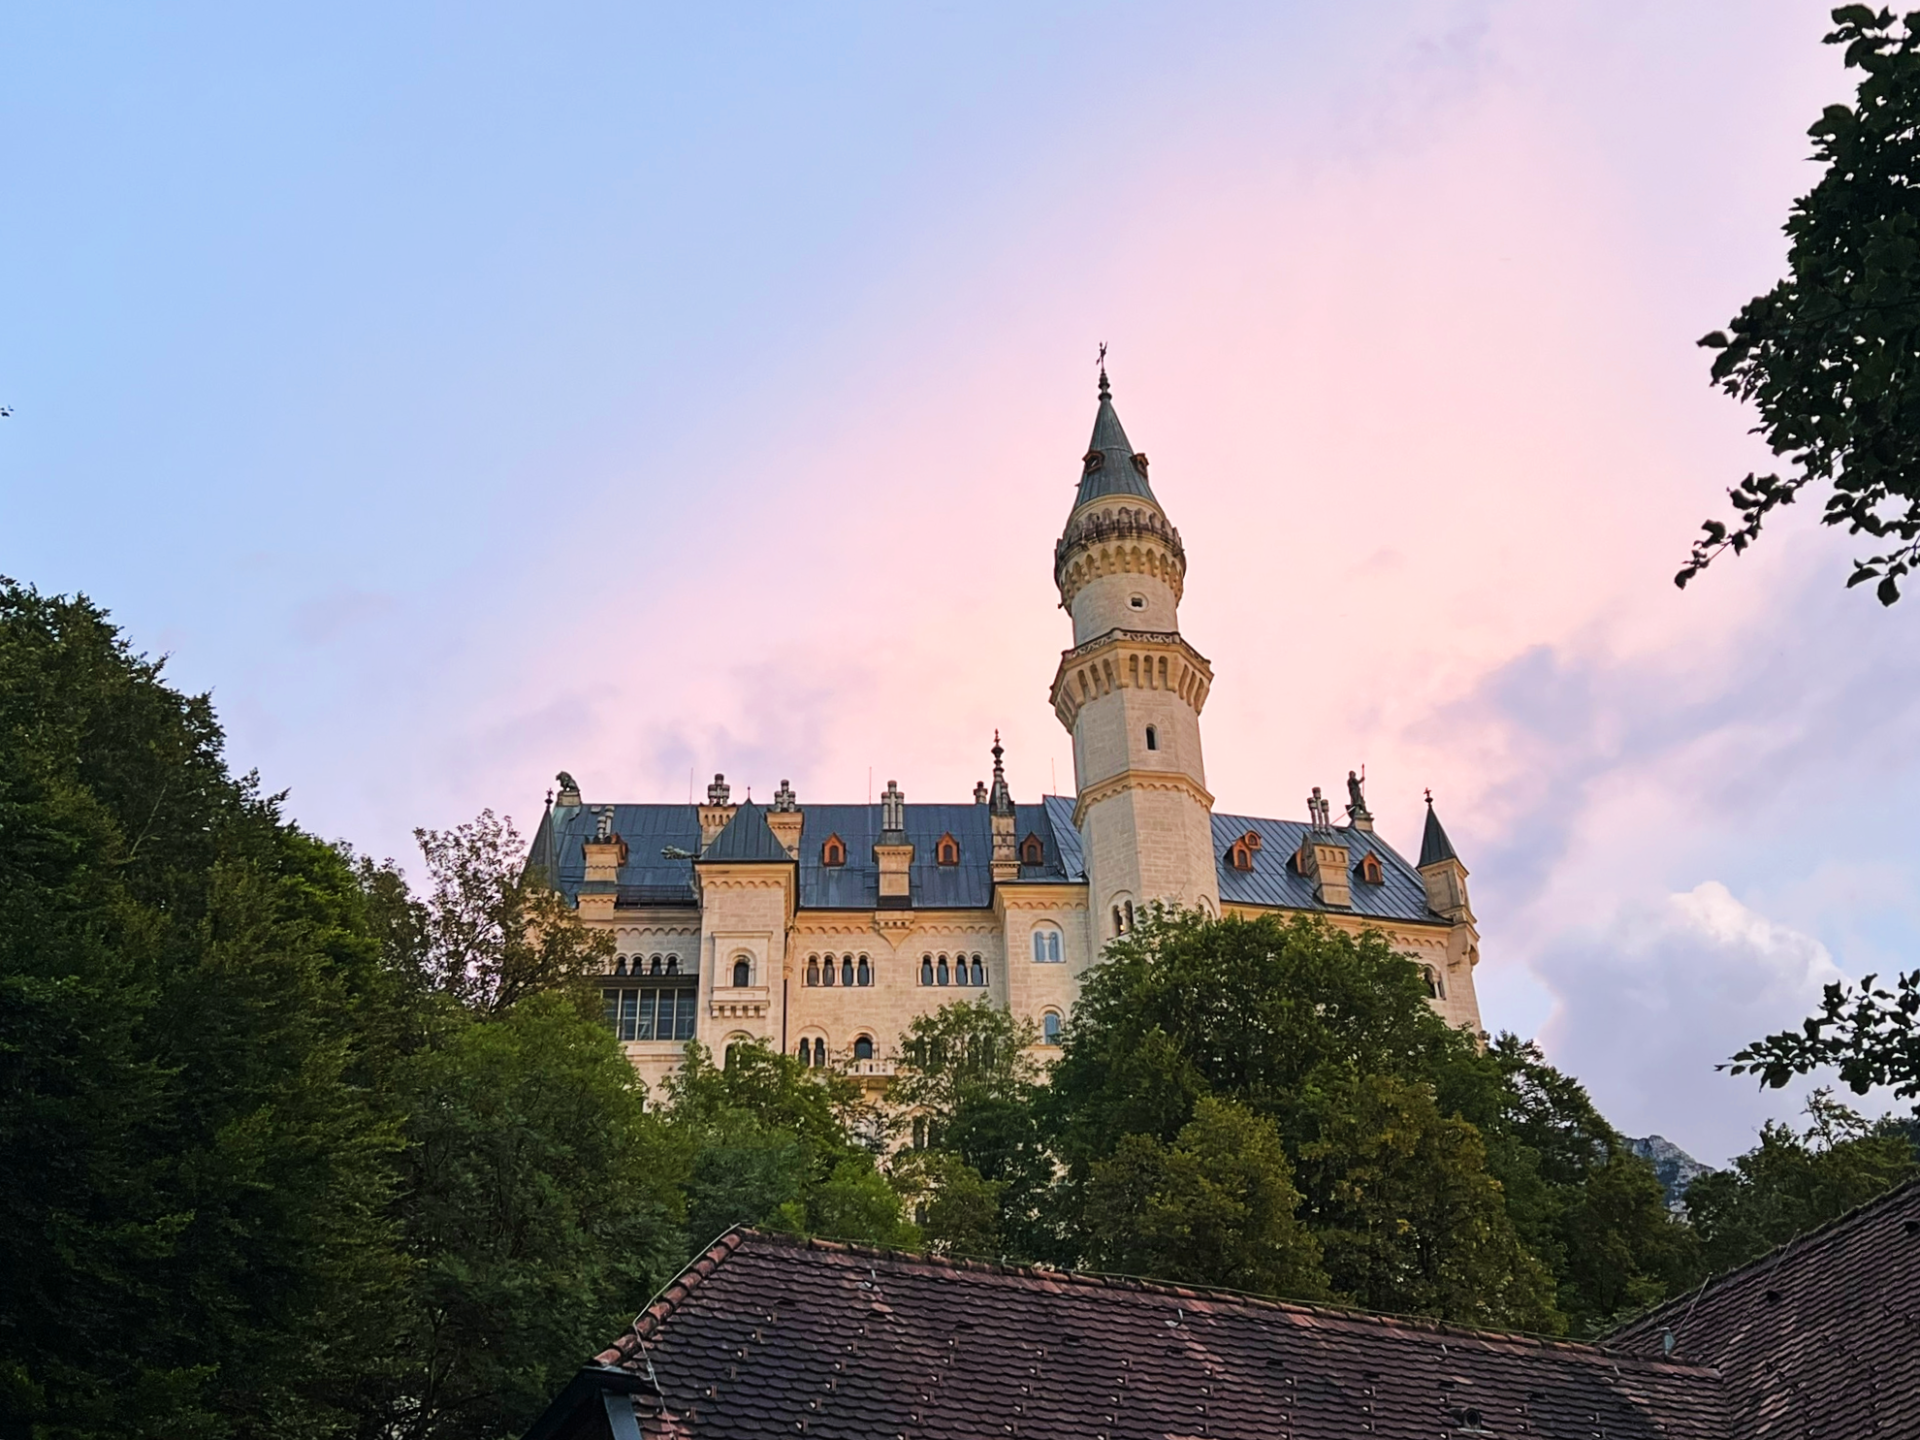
(461, 394)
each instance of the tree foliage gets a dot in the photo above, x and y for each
(1867, 1033)
(1830, 357)
(1793, 1181)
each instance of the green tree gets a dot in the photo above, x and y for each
(966, 1078)
(1867, 1033)
(198, 1163)
(1216, 1207)
(772, 1142)
(1793, 1181)
(1828, 356)
(1329, 1036)
(539, 1210)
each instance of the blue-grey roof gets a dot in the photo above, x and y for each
(649, 878)
(1273, 881)
(1434, 844)
(1114, 473)
(747, 838)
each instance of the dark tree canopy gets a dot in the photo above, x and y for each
(1830, 357)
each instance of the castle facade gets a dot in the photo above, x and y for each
(824, 929)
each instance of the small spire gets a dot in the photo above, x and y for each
(1000, 802)
(1435, 847)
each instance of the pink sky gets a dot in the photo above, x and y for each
(1403, 307)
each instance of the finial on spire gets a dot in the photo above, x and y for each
(1000, 799)
(1104, 388)
(1429, 795)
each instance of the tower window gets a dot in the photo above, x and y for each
(1032, 852)
(1435, 989)
(834, 852)
(1046, 946)
(1136, 602)
(863, 1047)
(1153, 738)
(1050, 1028)
(742, 973)
(946, 851)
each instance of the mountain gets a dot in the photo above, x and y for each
(1674, 1166)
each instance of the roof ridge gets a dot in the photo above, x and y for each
(1749, 1269)
(1094, 1280)
(669, 1296)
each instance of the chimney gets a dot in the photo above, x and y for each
(717, 812)
(784, 819)
(892, 852)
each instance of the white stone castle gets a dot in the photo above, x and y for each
(824, 929)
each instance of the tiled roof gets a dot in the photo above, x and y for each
(1820, 1337)
(766, 1336)
(1274, 882)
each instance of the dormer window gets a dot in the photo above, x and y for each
(1032, 852)
(946, 851)
(1371, 870)
(834, 852)
(1240, 856)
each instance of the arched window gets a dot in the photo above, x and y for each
(946, 851)
(1050, 1028)
(742, 973)
(863, 1047)
(926, 969)
(1435, 989)
(1119, 928)
(673, 964)
(1046, 945)
(813, 969)
(827, 976)
(834, 852)
(846, 970)
(806, 1051)
(979, 972)
(919, 1132)
(1129, 915)
(1153, 738)
(620, 965)
(1032, 852)
(864, 976)
(1371, 870)
(1239, 856)
(819, 1051)
(654, 967)
(940, 971)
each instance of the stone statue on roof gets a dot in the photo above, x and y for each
(1356, 797)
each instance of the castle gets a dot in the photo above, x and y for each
(824, 929)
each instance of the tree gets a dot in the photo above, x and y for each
(539, 1208)
(1793, 1181)
(1328, 1036)
(198, 1163)
(769, 1141)
(493, 930)
(1216, 1207)
(1867, 1033)
(1829, 355)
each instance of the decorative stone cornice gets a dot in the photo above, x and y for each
(1129, 659)
(1108, 539)
(729, 1003)
(1127, 780)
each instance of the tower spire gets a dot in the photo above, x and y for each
(1000, 798)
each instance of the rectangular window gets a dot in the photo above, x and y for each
(653, 1013)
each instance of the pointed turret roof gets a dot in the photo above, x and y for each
(1110, 466)
(1000, 798)
(747, 837)
(1434, 844)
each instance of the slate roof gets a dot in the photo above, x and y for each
(747, 838)
(651, 878)
(1434, 844)
(767, 1336)
(1819, 1338)
(1274, 881)
(1115, 474)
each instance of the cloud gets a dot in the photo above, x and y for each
(1648, 1004)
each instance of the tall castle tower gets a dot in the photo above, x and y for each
(1130, 691)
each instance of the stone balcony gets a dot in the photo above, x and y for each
(881, 1068)
(739, 1002)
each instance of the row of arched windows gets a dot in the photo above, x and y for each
(643, 965)
(813, 1050)
(847, 970)
(965, 970)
